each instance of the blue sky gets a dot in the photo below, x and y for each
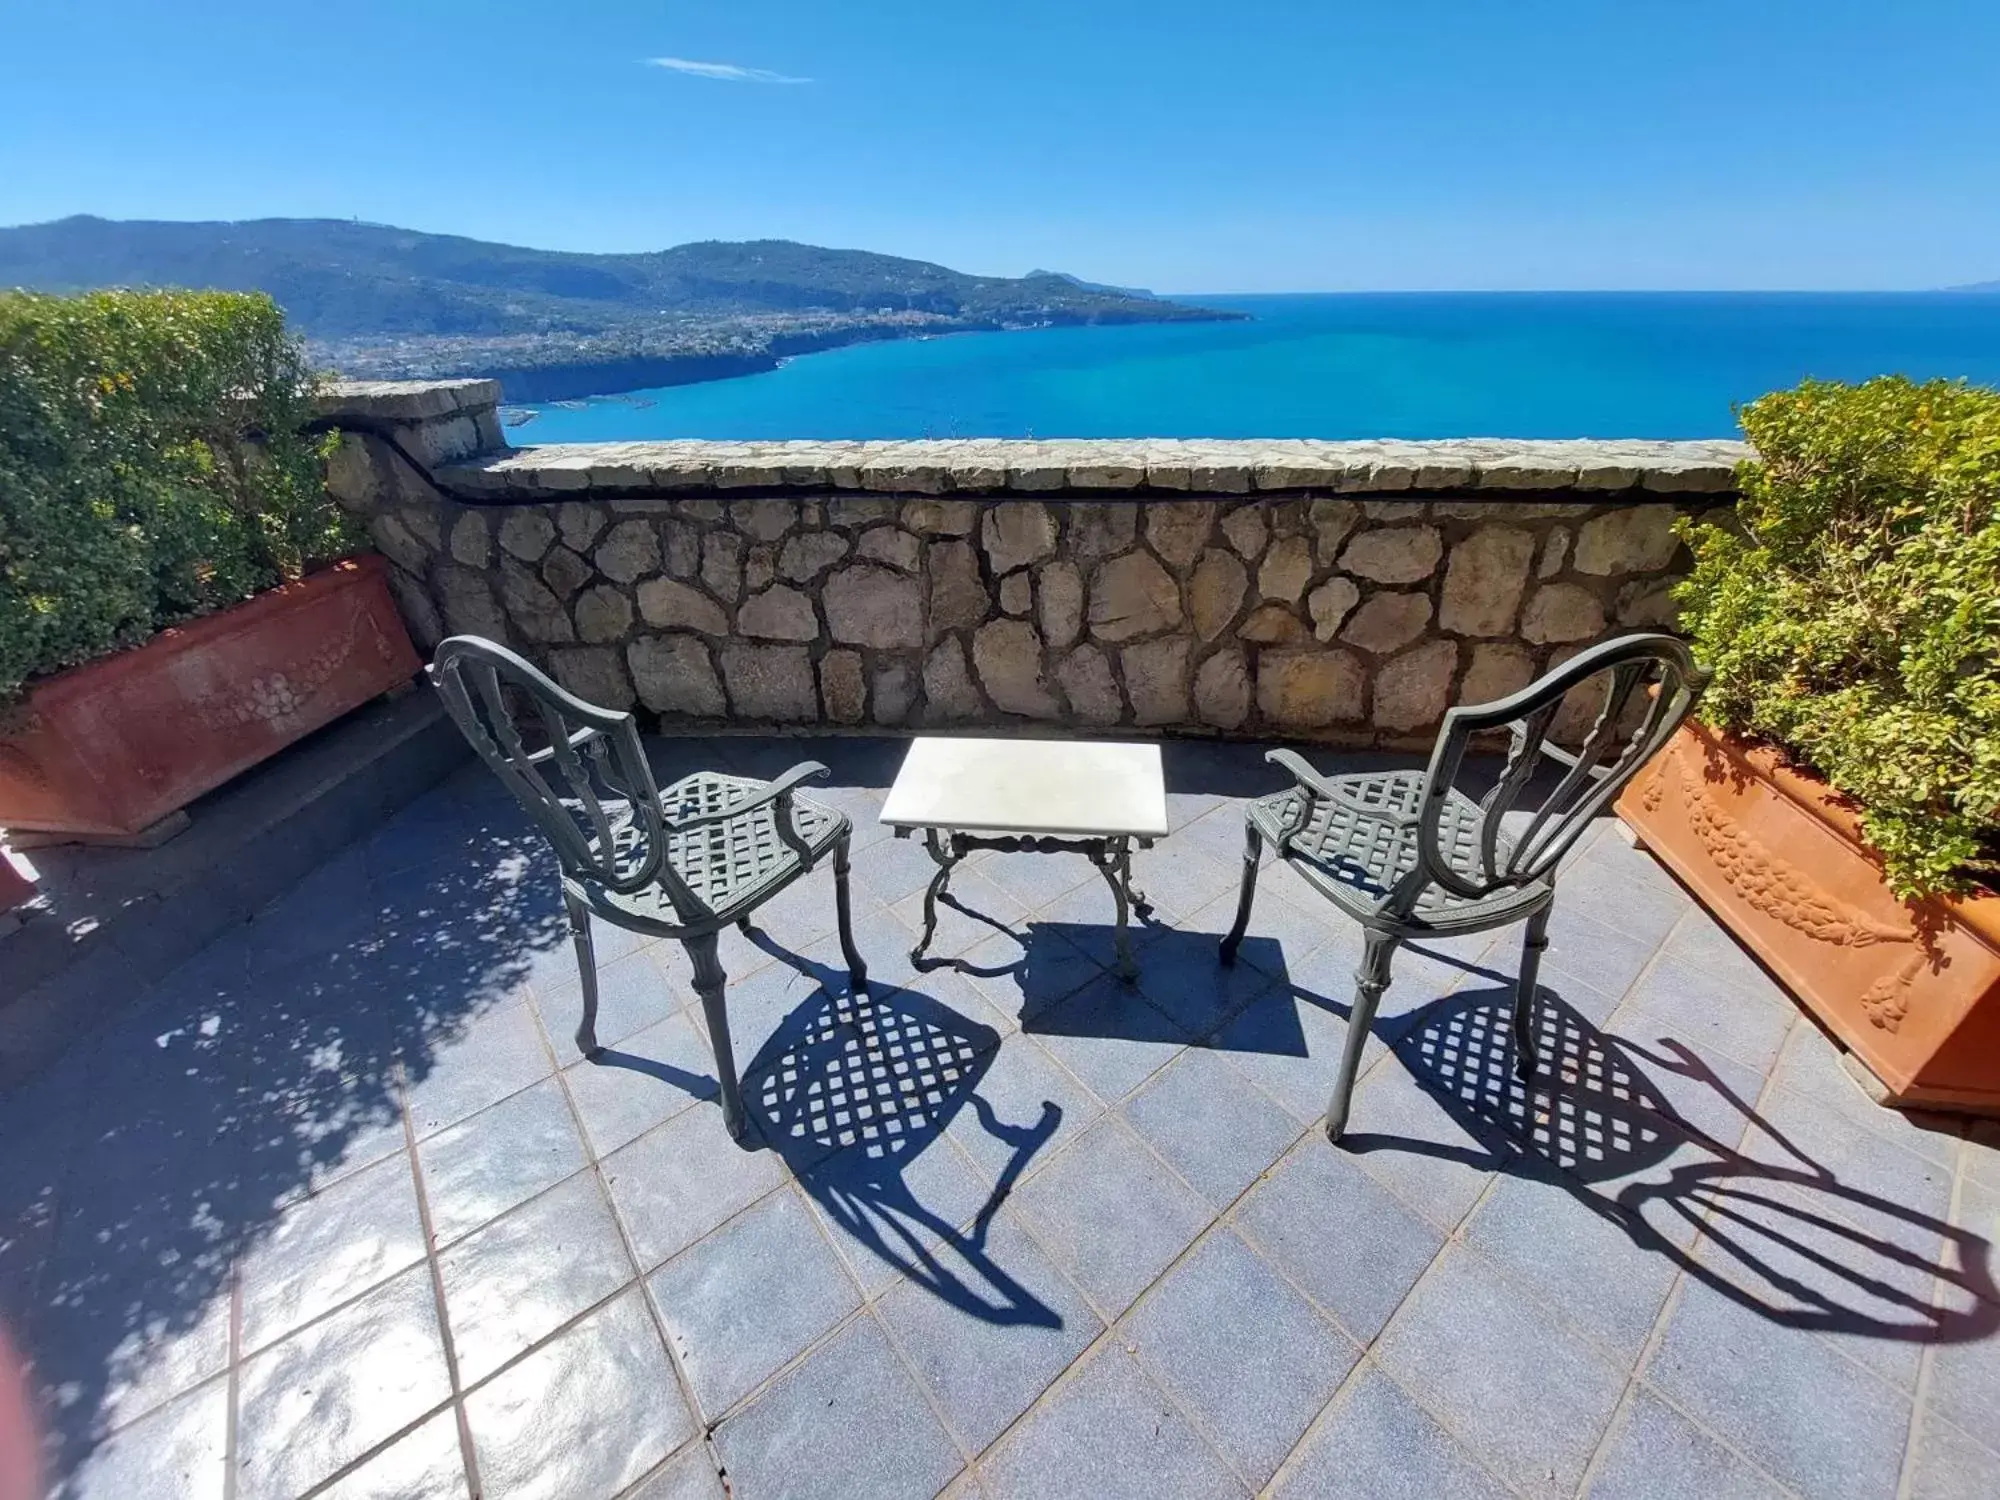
(1239, 146)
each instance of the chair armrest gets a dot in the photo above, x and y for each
(1319, 786)
(778, 791)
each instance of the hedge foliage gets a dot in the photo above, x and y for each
(1853, 616)
(152, 468)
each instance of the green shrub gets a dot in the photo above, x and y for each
(152, 468)
(1853, 615)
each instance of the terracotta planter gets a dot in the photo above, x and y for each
(108, 749)
(1912, 990)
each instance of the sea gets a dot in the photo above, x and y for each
(1649, 365)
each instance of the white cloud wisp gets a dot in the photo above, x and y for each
(727, 72)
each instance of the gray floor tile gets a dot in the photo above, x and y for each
(1530, 1400)
(521, 1277)
(747, 1298)
(1639, 908)
(1811, 1067)
(887, 1216)
(1022, 973)
(316, 1402)
(847, 1424)
(894, 868)
(634, 992)
(428, 1464)
(330, 1247)
(1213, 1129)
(481, 1167)
(1815, 1420)
(1604, 957)
(1567, 1248)
(1950, 1465)
(990, 1331)
(1352, 1245)
(1280, 934)
(1403, 1137)
(499, 1054)
(1376, 1443)
(675, 1183)
(644, 1081)
(688, 1475)
(1107, 1035)
(1242, 1351)
(586, 1414)
(180, 1450)
(1185, 979)
(1025, 1108)
(1180, 879)
(1965, 1382)
(1288, 1043)
(1675, 1000)
(1659, 1455)
(1108, 1434)
(1086, 918)
(1112, 1216)
(1036, 880)
(976, 910)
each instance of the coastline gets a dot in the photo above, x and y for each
(539, 384)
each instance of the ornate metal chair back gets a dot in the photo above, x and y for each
(1642, 685)
(587, 783)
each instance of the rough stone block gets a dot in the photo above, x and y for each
(1016, 533)
(564, 571)
(811, 553)
(1394, 554)
(468, 603)
(1271, 625)
(841, 686)
(1017, 593)
(630, 550)
(1286, 569)
(1216, 592)
(1498, 670)
(1102, 530)
(949, 696)
(1309, 689)
(1631, 539)
(603, 613)
(1178, 529)
(1247, 531)
(1088, 684)
(929, 517)
(780, 613)
(1413, 690)
(764, 520)
(1329, 605)
(1562, 612)
(895, 691)
(769, 682)
(674, 675)
(1059, 588)
(1222, 690)
(1484, 580)
(889, 545)
(595, 674)
(526, 533)
(1008, 654)
(722, 565)
(958, 597)
(670, 604)
(1133, 596)
(867, 605)
(535, 610)
(580, 524)
(1156, 680)
(1387, 622)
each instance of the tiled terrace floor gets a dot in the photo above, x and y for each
(338, 1210)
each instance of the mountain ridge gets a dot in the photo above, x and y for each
(377, 300)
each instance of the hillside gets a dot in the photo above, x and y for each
(375, 300)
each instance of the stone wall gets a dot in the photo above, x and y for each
(1338, 591)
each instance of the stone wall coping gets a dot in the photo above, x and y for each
(405, 400)
(1492, 467)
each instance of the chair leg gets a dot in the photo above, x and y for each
(586, 969)
(1532, 945)
(709, 981)
(1369, 981)
(1253, 854)
(843, 908)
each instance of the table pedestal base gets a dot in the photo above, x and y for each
(1111, 853)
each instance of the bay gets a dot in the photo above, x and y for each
(1415, 365)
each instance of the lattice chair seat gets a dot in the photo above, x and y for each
(1408, 855)
(1357, 860)
(682, 864)
(731, 866)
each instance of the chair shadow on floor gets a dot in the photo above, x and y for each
(852, 1089)
(1761, 1222)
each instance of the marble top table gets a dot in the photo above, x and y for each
(1090, 797)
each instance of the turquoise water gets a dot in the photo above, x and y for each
(1657, 365)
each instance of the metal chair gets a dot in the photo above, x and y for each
(1409, 856)
(681, 864)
